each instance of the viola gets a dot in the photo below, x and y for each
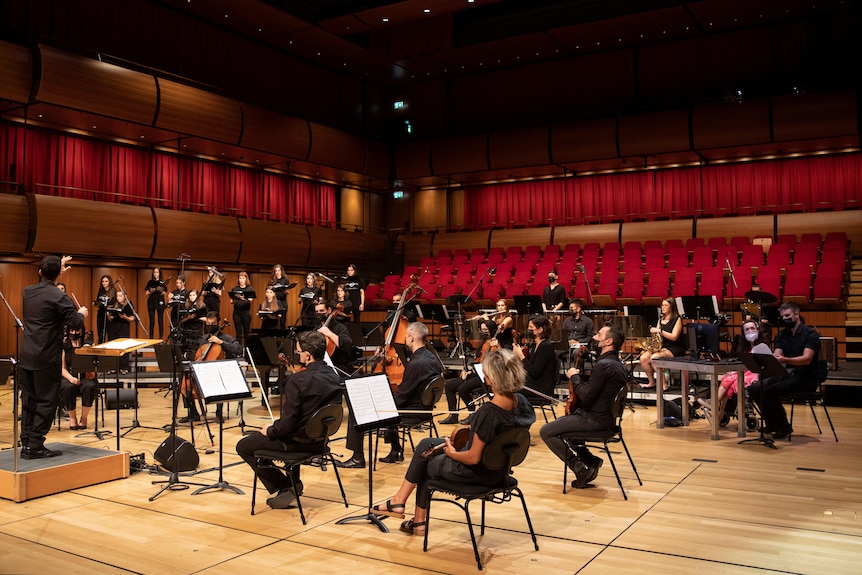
(572, 402)
(459, 438)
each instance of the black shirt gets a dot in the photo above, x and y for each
(156, 298)
(46, 311)
(242, 305)
(542, 370)
(794, 345)
(422, 368)
(552, 296)
(353, 285)
(581, 329)
(596, 396)
(305, 392)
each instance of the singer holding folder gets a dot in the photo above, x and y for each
(305, 392)
(505, 374)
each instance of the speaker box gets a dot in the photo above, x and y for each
(128, 398)
(187, 458)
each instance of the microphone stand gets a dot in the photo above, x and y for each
(327, 278)
(19, 329)
(587, 285)
(131, 305)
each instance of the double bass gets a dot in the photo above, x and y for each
(389, 362)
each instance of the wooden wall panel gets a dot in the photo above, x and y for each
(93, 86)
(206, 238)
(521, 237)
(808, 116)
(456, 206)
(65, 225)
(655, 133)
(16, 224)
(455, 240)
(579, 141)
(332, 147)
(264, 243)
(749, 226)
(429, 209)
(824, 222)
(643, 231)
(517, 148)
(413, 160)
(270, 131)
(192, 111)
(724, 125)
(16, 73)
(459, 155)
(601, 233)
(334, 249)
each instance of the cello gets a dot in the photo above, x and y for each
(391, 364)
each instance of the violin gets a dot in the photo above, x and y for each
(459, 438)
(572, 402)
(288, 365)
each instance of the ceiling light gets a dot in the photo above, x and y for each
(427, 10)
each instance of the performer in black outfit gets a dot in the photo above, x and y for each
(797, 346)
(280, 285)
(177, 300)
(670, 330)
(212, 290)
(505, 374)
(155, 290)
(540, 362)
(119, 324)
(308, 296)
(46, 311)
(106, 293)
(271, 311)
(579, 330)
(305, 392)
(355, 291)
(77, 384)
(241, 296)
(345, 312)
(554, 296)
(422, 368)
(337, 333)
(595, 400)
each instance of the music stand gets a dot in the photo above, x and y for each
(218, 383)
(373, 407)
(696, 306)
(83, 364)
(765, 366)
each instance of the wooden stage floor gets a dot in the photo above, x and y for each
(705, 507)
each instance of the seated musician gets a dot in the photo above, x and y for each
(593, 408)
(540, 361)
(343, 304)
(408, 312)
(669, 329)
(79, 384)
(212, 336)
(271, 310)
(579, 330)
(336, 332)
(505, 374)
(306, 392)
(422, 368)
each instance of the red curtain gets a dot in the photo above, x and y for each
(73, 166)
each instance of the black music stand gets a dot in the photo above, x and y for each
(218, 383)
(83, 364)
(527, 305)
(373, 407)
(765, 366)
(697, 306)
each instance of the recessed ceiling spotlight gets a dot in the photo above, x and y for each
(427, 10)
(386, 19)
(94, 127)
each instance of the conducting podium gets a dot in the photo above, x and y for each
(116, 348)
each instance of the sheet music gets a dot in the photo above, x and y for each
(121, 344)
(761, 348)
(480, 371)
(371, 399)
(221, 380)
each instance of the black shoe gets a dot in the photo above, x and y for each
(584, 473)
(352, 463)
(188, 419)
(595, 465)
(38, 453)
(451, 420)
(284, 500)
(393, 457)
(767, 429)
(465, 421)
(782, 433)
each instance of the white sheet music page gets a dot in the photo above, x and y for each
(371, 399)
(220, 378)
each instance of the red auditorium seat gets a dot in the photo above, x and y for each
(493, 292)
(797, 284)
(428, 262)
(684, 282)
(655, 258)
(445, 292)
(632, 291)
(812, 238)
(373, 293)
(834, 256)
(496, 255)
(827, 289)
(736, 292)
(532, 257)
(677, 258)
(805, 254)
(693, 243)
(740, 241)
(716, 243)
(537, 288)
(673, 243)
(657, 286)
(752, 255)
(552, 251)
(769, 279)
(652, 244)
(727, 254)
(514, 254)
(778, 255)
(701, 258)
(514, 289)
(786, 239)
(712, 283)
(572, 248)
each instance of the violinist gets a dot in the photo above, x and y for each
(593, 412)
(355, 291)
(106, 293)
(155, 290)
(421, 370)
(540, 360)
(305, 392)
(468, 382)
(241, 296)
(270, 311)
(280, 285)
(344, 312)
(212, 290)
(307, 298)
(214, 344)
(121, 315)
(81, 384)
(340, 344)
(178, 299)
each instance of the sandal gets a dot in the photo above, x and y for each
(391, 510)
(413, 527)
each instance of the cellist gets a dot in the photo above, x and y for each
(339, 343)
(214, 345)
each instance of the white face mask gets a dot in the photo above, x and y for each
(751, 336)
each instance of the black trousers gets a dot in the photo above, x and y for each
(40, 395)
(273, 479)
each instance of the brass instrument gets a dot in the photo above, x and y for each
(651, 344)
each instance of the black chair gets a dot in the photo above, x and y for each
(320, 427)
(418, 421)
(505, 452)
(613, 435)
(812, 398)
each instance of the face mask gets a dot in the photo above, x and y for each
(787, 321)
(211, 329)
(321, 316)
(552, 279)
(74, 336)
(751, 336)
(530, 333)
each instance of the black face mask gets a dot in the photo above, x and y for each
(552, 279)
(211, 329)
(74, 336)
(321, 317)
(788, 321)
(530, 333)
